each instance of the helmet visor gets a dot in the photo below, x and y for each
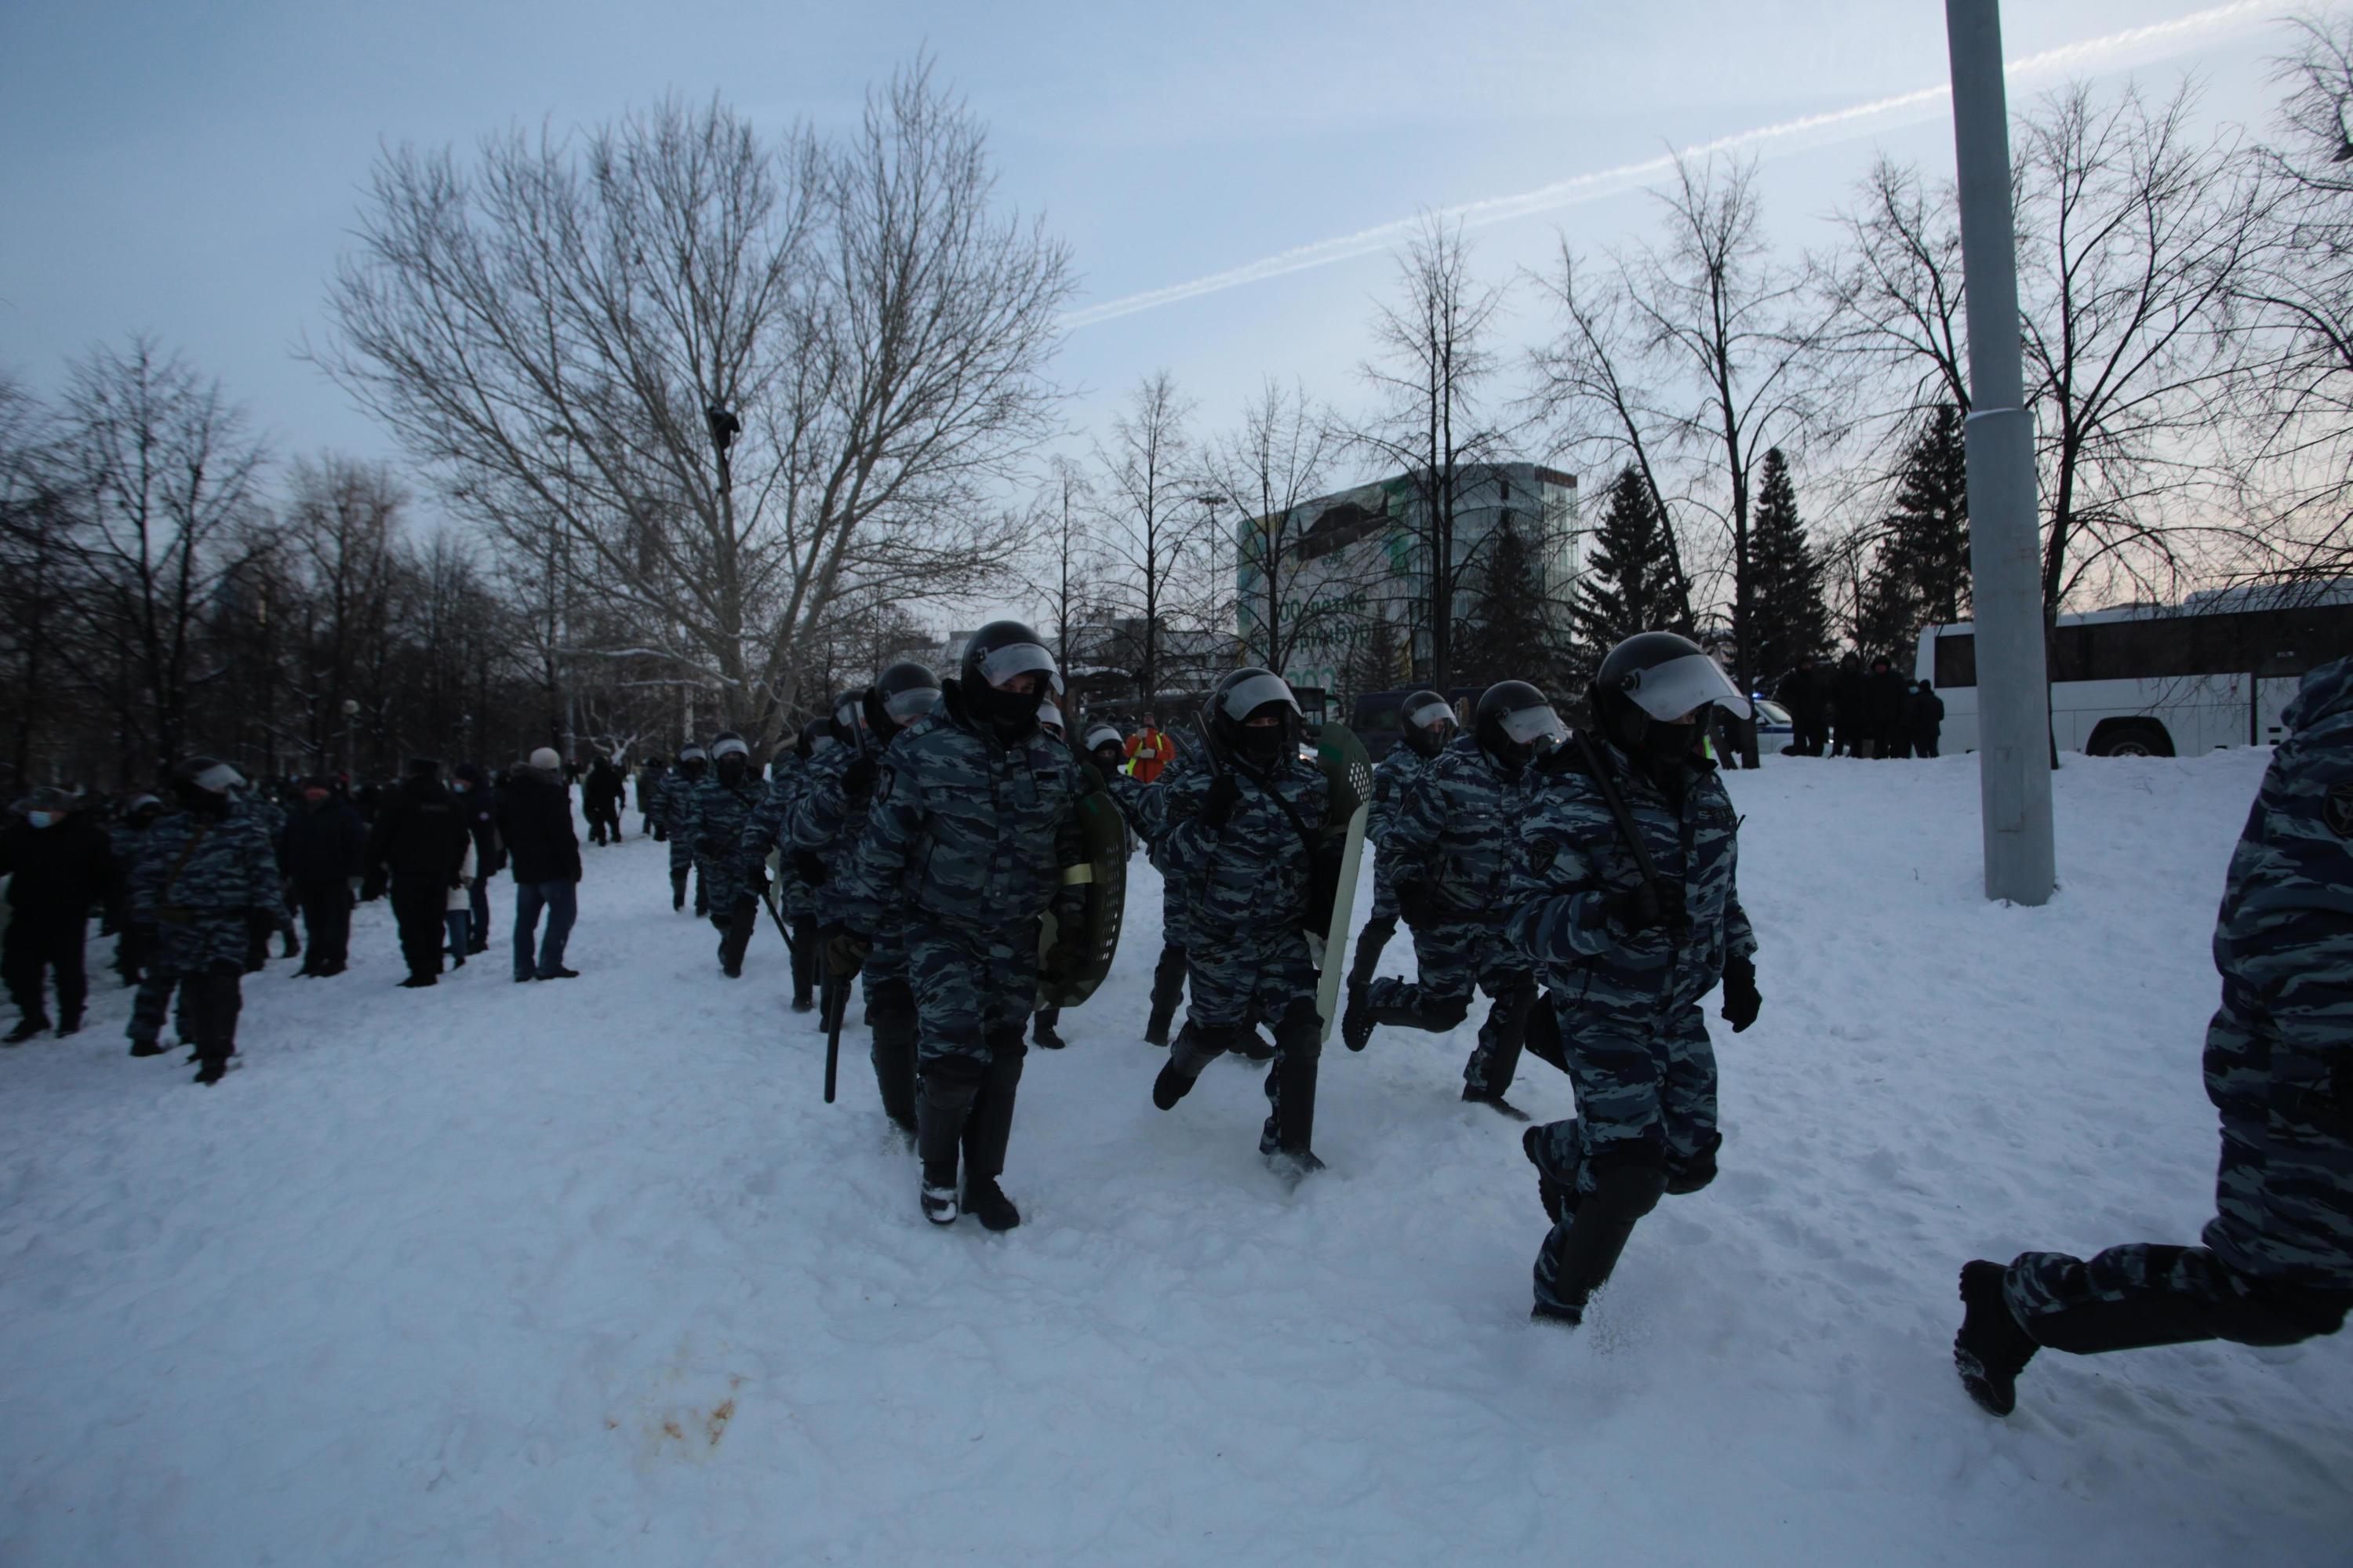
(220, 779)
(1247, 696)
(731, 746)
(1104, 735)
(1669, 691)
(905, 707)
(999, 665)
(1527, 727)
(1429, 713)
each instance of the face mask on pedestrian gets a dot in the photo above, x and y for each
(1262, 743)
(1011, 710)
(1664, 743)
(731, 769)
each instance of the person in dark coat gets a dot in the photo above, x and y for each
(534, 820)
(415, 849)
(651, 774)
(323, 847)
(1805, 693)
(1883, 708)
(127, 839)
(600, 802)
(1852, 736)
(478, 803)
(59, 866)
(1924, 719)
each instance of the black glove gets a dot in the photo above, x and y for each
(757, 877)
(1062, 958)
(1651, 905)
(1225, 794)
(808, 868)
(661, 834)
(858, 779)
(1420, 904)
(1741, 999)
(845, 952)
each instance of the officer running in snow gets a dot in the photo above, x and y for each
(678, 790)
(828, 825)
(712, 822)
(2277, 1265)
(1429, 724)
(1628, 908)
(974, 818)
(1237, 840)
(205, 881)
(1448, 859)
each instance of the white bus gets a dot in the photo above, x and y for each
(2162, 679)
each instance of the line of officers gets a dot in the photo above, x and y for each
(921, 833)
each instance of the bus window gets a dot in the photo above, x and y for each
(1957, 661)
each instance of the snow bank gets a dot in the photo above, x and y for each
(585, 1273)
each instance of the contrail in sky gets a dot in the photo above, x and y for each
(2217, 21)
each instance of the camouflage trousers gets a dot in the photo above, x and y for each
(2143, 1294)
(210, 1001)
(1237, 982)
(1450, 960)
(974, 989)
(1645, 1095)
(722, 881)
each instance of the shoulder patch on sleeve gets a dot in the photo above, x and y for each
(2337, 811)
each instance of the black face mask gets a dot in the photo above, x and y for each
(1012, 714)
(1262, 744)
(731, 769)
(1664, 745)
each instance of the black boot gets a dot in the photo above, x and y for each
(1557, 1191)
(893, 1053)
(1582, 1261)
(1356, 1018)
(1195, 1049)
(1991, 1349)
(943, 1106)
(32, 1023)
(677, 890)
(1288, 1138)
(69, 1024)
(1369, 942)
(1167, 991)
(1042, 1031)
(212, 1070)
(986, 1135)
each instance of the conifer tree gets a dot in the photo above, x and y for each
(1922, 575)
(1512, 633)
(1787, 621)
(1629, 584)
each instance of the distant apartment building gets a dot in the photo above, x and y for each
(1355, 577)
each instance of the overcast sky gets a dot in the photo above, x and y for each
(194, 169)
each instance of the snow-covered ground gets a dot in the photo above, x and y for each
(586, 1273)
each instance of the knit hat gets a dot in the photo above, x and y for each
(546, 761)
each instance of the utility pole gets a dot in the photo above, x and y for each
(2005, 533)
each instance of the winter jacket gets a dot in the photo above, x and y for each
(966, 832)
(650, 788)
(769, 827)
(1883, 706)
(419, 833)
(461, 895)
(479, 804)
(712, 825)
(1149, 751)
(204, 882)
(1576, 869)
(1848, 701)
(323, 844)
(55, 873)
(1924, 718)
(601, 793)
(1457, 832)
(1250, 878)
(1806, 693)
(2279, 1051)
(534, 822)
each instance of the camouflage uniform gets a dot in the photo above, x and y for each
(828, 822)
(769, 827)
(128, 841)
(1626, 1004)
(711, 820)
(1393, 779)
(202, 884)
(966, 838)
(1245, 888)
(671, 805)
(1456, 836)
(272, 818)
(2278, 1264)
(1144, 807)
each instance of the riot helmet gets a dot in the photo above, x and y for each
(1652, 682)
(1106, 746)
(995, 656)
(204, 784)
(899, 696)
(1428, 723)
(1513, 724)
(1250, 694)
(729, 756)
(1049, 719)
(693, 760)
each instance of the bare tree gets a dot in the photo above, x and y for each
(166, 479)
(715, 379)
(1433, 368)
(1296, 583)
(1146, 498)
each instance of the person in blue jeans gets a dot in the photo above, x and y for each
(534, 823)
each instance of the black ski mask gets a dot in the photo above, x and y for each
(730, 767)
(1262, 743)
(1012, 714)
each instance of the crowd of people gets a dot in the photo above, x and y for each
(1854, 712)
(928, 839)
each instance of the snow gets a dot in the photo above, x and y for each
(585, 1272)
